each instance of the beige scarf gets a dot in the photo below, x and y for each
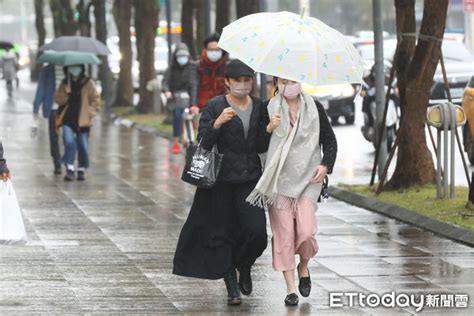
(292, 159)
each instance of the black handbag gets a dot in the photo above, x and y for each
(202, 166)
(324, 195)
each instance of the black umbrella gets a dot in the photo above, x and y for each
(5, 45)
(78, 44)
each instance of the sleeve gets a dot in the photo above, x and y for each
(94, 98)
(327, 139)
(61, 97)
(39, 96)
(165, 86)
(207, 134)
(263, 137)
(3, 162)
(194, 84)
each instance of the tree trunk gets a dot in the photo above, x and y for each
(105, 75)
(246, 7)
(39, 22)
(200, 26)
(146, 22)
(414, 161)
(122, 11)
(63, 18)
(187, 23)
(41, 31)
(222, 14)
(405, 15)
(84, 20)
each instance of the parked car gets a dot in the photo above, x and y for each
(459, 69)
(338, 100)
(366, 51)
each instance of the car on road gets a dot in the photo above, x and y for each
(338, 100)
(459, 64)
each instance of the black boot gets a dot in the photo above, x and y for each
(245, 280)
(233, 293)
(57, 169)
(69, 175)
(81, 175)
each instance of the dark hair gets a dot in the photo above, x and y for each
(214, 37)
(275, 85)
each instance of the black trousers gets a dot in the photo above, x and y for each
(54, 140)
(222, 232)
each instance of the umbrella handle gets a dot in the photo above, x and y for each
(280, 108)
(68, 81)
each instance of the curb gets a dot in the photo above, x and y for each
(453, 232)
(116, 119)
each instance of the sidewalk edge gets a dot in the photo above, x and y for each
(443, 229)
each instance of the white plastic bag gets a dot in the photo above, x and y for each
(12, 228)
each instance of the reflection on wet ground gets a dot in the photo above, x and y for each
(106, 245)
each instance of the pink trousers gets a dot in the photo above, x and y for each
(294, 233)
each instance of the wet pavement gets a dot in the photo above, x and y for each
(106, 245)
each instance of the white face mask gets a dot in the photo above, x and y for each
(182, 60)
(75, 71)
(214, 55)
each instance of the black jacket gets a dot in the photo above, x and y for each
(3, 162)
(182, 78)
(241, 161)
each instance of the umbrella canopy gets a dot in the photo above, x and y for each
(287, 45)
(5, 45)
(67, 58)
(78, 44)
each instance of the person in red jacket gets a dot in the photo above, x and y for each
(211, 72)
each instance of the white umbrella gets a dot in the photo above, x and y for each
(293, 47)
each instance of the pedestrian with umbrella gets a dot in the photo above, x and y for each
(78, 102)
(223, 232)
(44, 99)
(295, 50)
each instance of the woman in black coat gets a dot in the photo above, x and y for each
(223, 232)
(4, 173)
(180, 85)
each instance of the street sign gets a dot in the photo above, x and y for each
(468, 5)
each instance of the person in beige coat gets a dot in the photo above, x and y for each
(78, 102)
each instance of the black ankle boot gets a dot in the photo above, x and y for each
(245, 280)
(81, 175)
(57, 169)
(69, 175)
(233, 293)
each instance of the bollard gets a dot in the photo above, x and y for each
(444, 117)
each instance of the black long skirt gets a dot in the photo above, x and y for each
(222, 232)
